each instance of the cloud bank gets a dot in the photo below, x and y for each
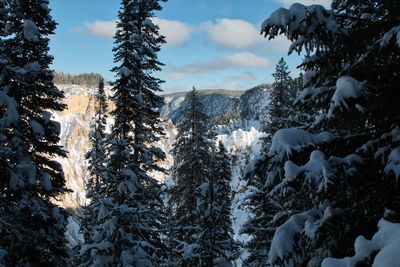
(239, 34)
(234, 61)
(287, 3)
(176, 32)
(232, 33)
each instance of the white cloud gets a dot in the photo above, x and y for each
(245, 77)
(287, 3)
(176, 32)
(232, 33)
(225, 33)
(246, 59)
(235, 61)
(99, 28)
(240, 34)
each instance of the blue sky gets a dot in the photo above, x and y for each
(211, 43)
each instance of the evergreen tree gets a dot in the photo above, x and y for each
(32, 226)
(262, 224)
(338, 184)
(85, 79)
(215, 244)
(191, 166)
(130, 204)
(223, 244)
(200, 200)
(96, 154)
(281, 100)
(267, 212)
(96, 157)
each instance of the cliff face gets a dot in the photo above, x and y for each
(222, 105)
(74, 137)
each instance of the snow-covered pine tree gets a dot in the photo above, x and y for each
(216, 245)
(297, 116)
(281, 101)
(268, 212)
(32, 226)
(96, 157)
(200, 199)
(225, 248)
(192, 164)
(131, 204)
(340, 174)
(97, 135)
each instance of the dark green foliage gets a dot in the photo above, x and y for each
(192, 157)
(269, 212)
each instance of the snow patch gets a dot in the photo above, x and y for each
(37, 128)
(31, 31)
(11, 115)
(393, 164)
(387, 37)
(285, 141)
(73, 233)
(124, 71)
(346, 88)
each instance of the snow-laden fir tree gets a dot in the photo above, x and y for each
(130, 198)
(267, 212)
(96, 157)
(97, 135)
(281, 100)
(339, 175)
(263, 221)
(32, 227)
(200, 198)
(216, 245)
(225, 248)
(192, 165)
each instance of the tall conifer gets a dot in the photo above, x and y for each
(130, 204)
(200, 199)
(32, 226)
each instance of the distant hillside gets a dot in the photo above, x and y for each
(221, 105)
(224, 92)
(84, 79)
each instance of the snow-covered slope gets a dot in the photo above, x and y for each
(249, 105)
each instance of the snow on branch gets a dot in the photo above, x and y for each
(347, 88)
(287, 236)
(285, 141)
(387, 37)
(304, 25)
(11, 115)
(386, 243)
(393, 164)
(31, 31)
